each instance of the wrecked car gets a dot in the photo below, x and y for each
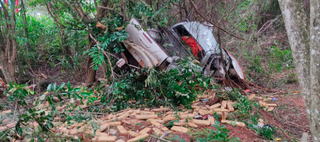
(163, 47)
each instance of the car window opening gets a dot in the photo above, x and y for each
(197, 51)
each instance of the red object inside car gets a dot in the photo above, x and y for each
(193, 44)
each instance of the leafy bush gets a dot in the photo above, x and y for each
(256, 66)
(280, 59)
(47, 43)
(43, 38)
(20, 95)
(151, 87)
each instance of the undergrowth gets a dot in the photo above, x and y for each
(247, 111)
(143, 88)
(263, 71)
(150, 87)
(218, 134)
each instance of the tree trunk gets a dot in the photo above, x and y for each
(91, 73)
(7, 70)
(303, 38)
(314, 98)
(8, 51)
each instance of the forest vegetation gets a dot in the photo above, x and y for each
(59, 71)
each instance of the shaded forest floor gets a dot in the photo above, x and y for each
(289, 115)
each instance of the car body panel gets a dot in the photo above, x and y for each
(140, 37)
(236, 65)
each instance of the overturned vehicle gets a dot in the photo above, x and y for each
(163, 47)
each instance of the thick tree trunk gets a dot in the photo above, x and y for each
(314, 106)
(8, 70)
(295, 19)
(304, 40)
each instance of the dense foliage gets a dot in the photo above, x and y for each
(151, 87)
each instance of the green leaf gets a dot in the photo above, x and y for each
(59, 97)
(18, 129)
(86, 94)
(77, 96)
(69, 86)
(60, 86)
(76, 89)
(54, 86)
(49, 87)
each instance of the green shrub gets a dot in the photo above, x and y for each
(151, 87)
(266, 132)
(20, 95)
(280, 60)
(219, 134)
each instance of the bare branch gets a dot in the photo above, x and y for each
(194, 6)
(84, 15)
(95, 4)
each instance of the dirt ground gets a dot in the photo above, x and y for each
(289, 115)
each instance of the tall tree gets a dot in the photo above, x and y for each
(304, 39)
(8, 44)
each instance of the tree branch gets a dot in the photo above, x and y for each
(195, 7)
(112, 9)
(105, 53)
(49, 8)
